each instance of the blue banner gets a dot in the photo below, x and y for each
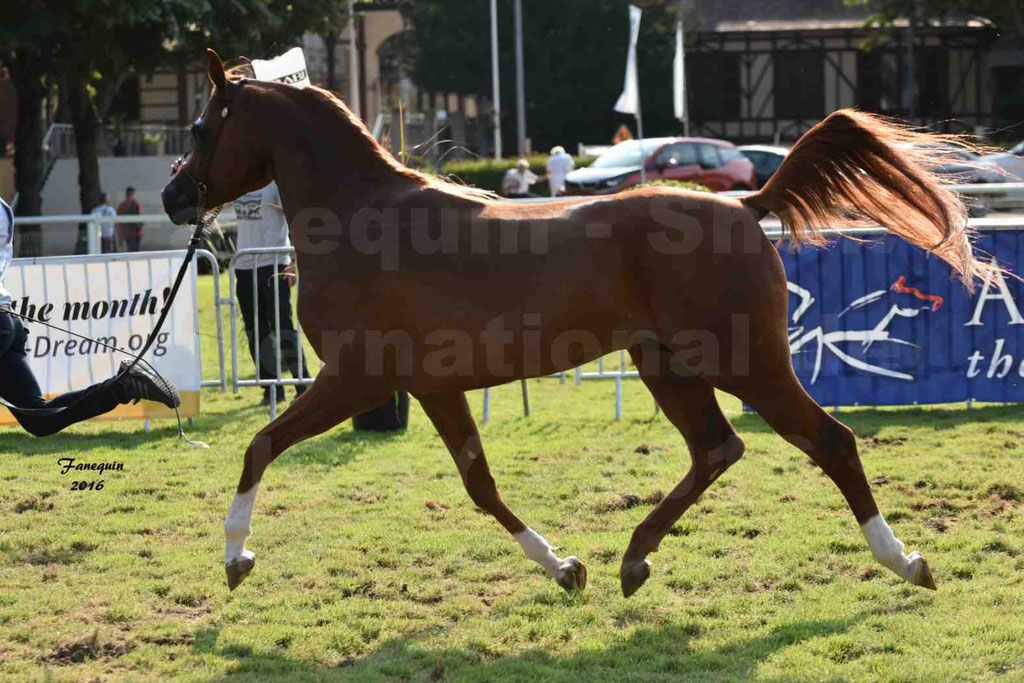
(882, 323)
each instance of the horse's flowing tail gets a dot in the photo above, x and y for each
(853, 168)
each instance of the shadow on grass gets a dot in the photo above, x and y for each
(660, 654)
(64, 443)
(867, 422)
(337, 447)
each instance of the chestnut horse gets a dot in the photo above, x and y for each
(410, 282)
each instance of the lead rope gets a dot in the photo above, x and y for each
(194, 242)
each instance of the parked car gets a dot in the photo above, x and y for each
(1010, 162)
(715, 164)
(965, 167)
(766, 160)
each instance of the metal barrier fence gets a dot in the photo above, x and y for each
(222, 380)
(278, 380)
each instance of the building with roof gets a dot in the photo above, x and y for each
(770, 70)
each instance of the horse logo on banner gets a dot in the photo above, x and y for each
(800, 336)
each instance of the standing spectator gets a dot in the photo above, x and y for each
(130, 233)
(261, 223)
(559, 165)
(107, 241)
(517, 181)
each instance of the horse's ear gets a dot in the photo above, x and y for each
(216, 70)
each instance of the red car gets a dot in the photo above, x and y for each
(716, 164)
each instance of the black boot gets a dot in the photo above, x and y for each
(266, 395)
(140, 383)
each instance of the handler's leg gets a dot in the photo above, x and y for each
(18, 386)
(689, 403)
(331, 400)
(451, 416)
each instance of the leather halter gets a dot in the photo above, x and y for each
(200, 178)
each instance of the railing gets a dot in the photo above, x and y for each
(136, 140)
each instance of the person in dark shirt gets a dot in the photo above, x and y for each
(130, 234)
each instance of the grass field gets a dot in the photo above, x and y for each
(374, 566)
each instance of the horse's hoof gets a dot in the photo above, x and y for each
(633, 575)
(237, 570)
(573, 575)
(920, 574)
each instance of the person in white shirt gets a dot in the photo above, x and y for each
(19, 389)
(261, 223)
(559, 166)
(107, 239)
(517, 181)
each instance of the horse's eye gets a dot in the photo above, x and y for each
(199, 130)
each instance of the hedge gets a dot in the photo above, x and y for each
(681, 184)
(488, 173)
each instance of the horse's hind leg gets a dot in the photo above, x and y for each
(328, 402)
(773, 390)
(689, 403)
(451, 416)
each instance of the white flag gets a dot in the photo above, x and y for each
(679, 75)
(287, 68)
(629, 100)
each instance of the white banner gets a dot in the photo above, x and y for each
(629, 100)
(113, 299)
(287, 68)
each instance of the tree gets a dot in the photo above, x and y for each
(90, 46)
(575, 61)
(1006, 15)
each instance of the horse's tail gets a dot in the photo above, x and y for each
(855, 167)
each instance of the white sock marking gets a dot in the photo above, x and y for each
(539, 550)
(884, 545)
(238, 524)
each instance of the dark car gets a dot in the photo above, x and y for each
(766, 160)
(715, 164)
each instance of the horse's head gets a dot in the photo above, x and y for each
(228, 156)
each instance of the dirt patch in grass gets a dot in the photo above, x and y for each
(879, 442)
(85, 649)
(47, 556)
(364, 498)
(435, 506)
(170, 640)
(626, 501)
(869, 574)
(1007, 492)
(37, 503)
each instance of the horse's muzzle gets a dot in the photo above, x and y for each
(180, 197)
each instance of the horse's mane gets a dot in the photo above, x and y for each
(333, 103)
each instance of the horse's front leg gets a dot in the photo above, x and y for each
(454, 422)
(328, 402)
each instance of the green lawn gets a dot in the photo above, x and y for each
(374, 566)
